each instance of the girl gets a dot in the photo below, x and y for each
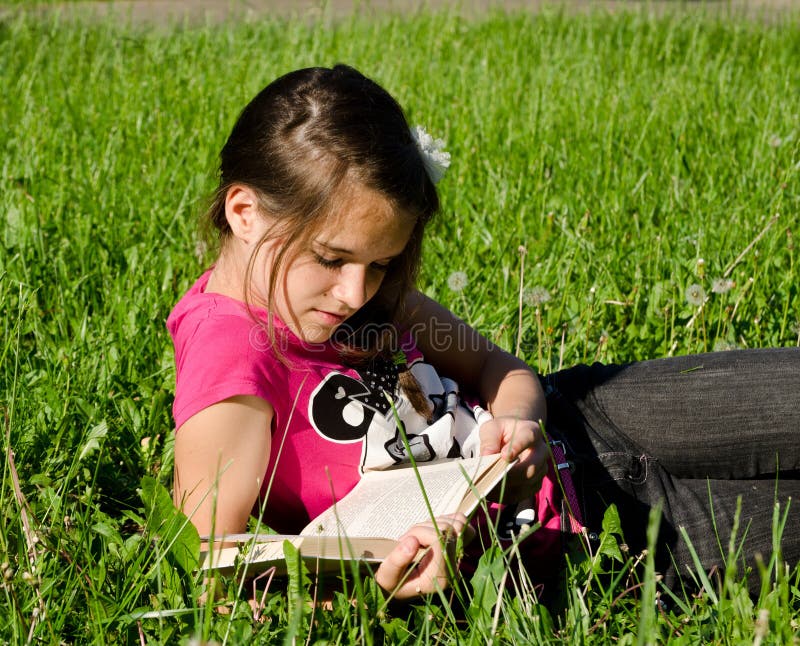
(286, 346)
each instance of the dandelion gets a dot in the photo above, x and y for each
(695, 295)
(722, 285)
(535, 296)
(701, 268)
(775, 141)
(457, 281)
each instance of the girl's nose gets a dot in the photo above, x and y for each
(351, 286)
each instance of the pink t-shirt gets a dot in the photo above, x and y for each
(331, 422)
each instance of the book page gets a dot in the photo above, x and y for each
(223, 559)
(380, 509)
(387, 503)
(322, 554)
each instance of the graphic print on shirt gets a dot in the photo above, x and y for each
(344, 409)
(341, 409)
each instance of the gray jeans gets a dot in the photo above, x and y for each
(696, 433)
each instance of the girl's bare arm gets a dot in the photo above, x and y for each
(221, 456)
(508, 386)
(503, 381)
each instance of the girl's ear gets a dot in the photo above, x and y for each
(242, 212)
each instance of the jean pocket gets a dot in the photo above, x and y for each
(625, 467)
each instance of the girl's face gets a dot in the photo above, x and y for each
(341, 268)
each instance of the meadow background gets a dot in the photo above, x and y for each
(648, 164)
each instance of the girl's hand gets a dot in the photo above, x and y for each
(400, 576)
(517, 438)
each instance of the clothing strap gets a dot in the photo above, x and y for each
(564, 475)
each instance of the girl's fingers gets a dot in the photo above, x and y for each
(517, 440)
(448, 525)
(391, 571)
(519, 436)
(508, 435)
(404, 573)
(491, 437)
(528, 446)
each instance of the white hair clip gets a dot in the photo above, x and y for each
(437, 161)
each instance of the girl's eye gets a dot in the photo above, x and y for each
(328, 263)
(335, 263)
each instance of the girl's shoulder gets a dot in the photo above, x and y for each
(214, 319)
(197, 305)
(221, 350)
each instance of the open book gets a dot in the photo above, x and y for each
(366, 523)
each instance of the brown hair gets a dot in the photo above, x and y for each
(301, 140)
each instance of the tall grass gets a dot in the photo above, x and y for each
(619, 149)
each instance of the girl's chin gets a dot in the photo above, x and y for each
(315, 333)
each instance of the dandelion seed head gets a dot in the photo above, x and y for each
(535, 296)
(457, 281)
(722, 285)
(695, 295)
(775, 141)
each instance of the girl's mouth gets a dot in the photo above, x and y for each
(331, 318)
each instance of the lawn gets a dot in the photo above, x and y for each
(623, 186)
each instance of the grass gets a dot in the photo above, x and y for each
(619, 150)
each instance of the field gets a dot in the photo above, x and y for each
(623, 186)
